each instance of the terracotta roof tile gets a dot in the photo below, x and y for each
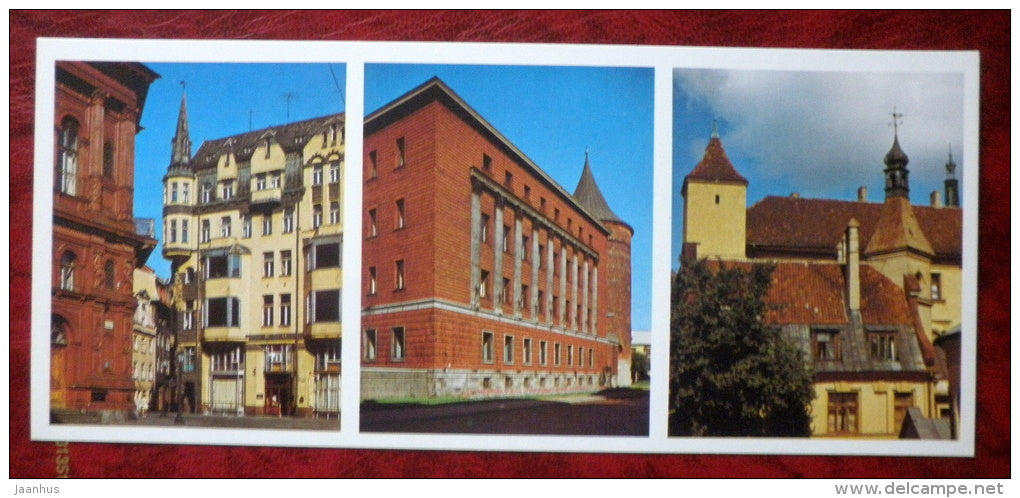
(816, 225)
(715, 166)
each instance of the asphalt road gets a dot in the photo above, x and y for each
(616, 412)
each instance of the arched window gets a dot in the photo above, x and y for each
(67, 262)
(58, 331)
(109, 279)
(67, 162)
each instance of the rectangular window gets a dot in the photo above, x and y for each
(527, 351)
(223, 266)
(842, 412)
(260, 182)
(936, 286)
(543, 353)
(486, 163)
(400, 214)
(825, 344)
(246, 226)
(369, 346)
(324, 306)
(225, 226)
(484, 228)
(483, 284)
(524, 248)
(204, 234)
(223, 312)
(400, 274)
(284, 310)
(316, 216)
(274, 180)
(267, 311)
(508, 349)
(883, 346)
(188, 359)
(173, 231)
(372, 281)
(279, 357)
(206, 193)
(373, 223)
(186, 193)
(285, 265)
(591, 358)
(401, 157)
(324, 255)
(487, 347)
(373, 165)
(508, 180)
(288, 220)
(188, 316)
(556, 354)
(506, 238)
(570, 355)
(227, 190)
(328, 359)
(334, 172)
(268, 263)
(523, 304)
(397, 345)
(184, 231)
(504, 290)
(173, 192)
(334, 213)
(317, 175)
(230, 360)
(267, 225)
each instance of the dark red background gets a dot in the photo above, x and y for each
(987, 32)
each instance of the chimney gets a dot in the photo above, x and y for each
(853, 266)
(936, 199)
(862, 194)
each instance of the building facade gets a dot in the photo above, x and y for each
(864, 288)
(154, 344)
(481, 275)
(96, 245)
(253, 227)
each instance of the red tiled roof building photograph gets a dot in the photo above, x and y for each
(867, 289)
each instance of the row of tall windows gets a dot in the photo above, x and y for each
(582, 356)
(399, 218)
(370, 344)
(269, 308)
(826, 345)
(333, 169)
(399, 277)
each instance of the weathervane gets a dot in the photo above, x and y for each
(897, 119)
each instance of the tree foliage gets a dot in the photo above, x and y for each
(730, 373)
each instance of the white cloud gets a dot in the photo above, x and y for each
(826, 133)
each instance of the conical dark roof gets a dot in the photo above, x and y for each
(590, 197)
(180, 154)
(715, 166)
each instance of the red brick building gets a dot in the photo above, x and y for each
(481, 275)
(96, 243)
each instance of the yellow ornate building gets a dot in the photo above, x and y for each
(253, 226)
(864, 288)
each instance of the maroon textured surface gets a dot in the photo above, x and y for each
(987, 32)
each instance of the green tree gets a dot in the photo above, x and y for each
(730, 373)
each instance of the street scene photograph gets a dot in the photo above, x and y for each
(506, 249)
(817, 263)
(197, 236)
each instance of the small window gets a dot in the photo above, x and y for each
(373, 165)
(398, 350)
(556, 354)
(508, 349)
(936, 286)
(204, 234)
(284, 310)
(334, 172)
(483, 284)
(484, 228)
(372, 281)
(825, 344)
(225, 226)
(527, 351)
(285, 263)
(369, 347)
(487, 347)
(883, 346)
(268, 264)
(543, 353)
(401, 153)
(67, 266)
(334, 213)
(486, 163)
(267, 311)
(506, 238)
(245, 226)
(317, 175)
(316, 216)
(373, 223)
(109, 276)
(508, 180)
(399, 274)
(400, 214)
(267, 225)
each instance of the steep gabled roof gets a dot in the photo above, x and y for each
(715, 166)
(798, 225)
(290, 136)
(898, 229)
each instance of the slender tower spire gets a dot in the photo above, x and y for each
(896, 173)
(180, 154)
(952, 188)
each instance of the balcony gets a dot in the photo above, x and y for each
(267, 196)
(323, 330)
(224, 334)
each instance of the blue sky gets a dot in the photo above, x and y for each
(552, 114)
(819, 134)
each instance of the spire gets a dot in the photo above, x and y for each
(180, 154)
(715, 166)
(590, 197)
(952, 187)
(896, 173)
